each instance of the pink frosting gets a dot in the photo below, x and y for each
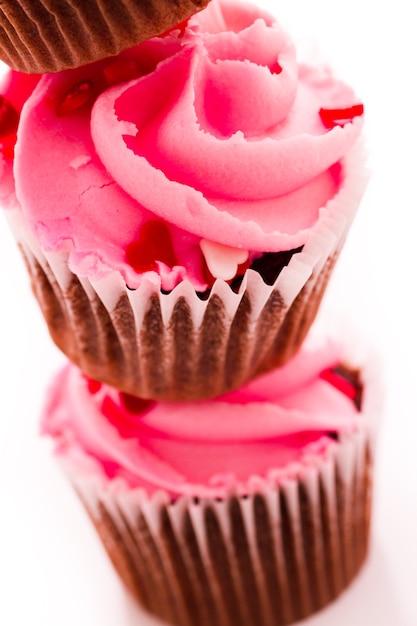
(270, 428)
(15, 89)
(216, 132)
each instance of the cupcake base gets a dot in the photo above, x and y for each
(41, 36)
(159, 349)
(270, 558)
(178, 346)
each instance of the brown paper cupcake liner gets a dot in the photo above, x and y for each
(176, 346)
(38, 36)
(272, 557)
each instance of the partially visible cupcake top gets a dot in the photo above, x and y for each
(38, 36)
(267, 430)
(187, 156)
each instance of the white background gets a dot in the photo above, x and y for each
(53, 571)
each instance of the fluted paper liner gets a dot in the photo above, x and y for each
(269, 558)
(177, 346)
(269, 553)
(38, 36)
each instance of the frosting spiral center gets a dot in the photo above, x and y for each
(248, 85)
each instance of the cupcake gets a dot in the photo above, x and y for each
(250, 509)
(180, 207)
(38, 36)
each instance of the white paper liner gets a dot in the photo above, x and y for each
(176, 346)
(276, 554)
(268, 559)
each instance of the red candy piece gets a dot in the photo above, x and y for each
(181, 27)
(153, 244)
(94, 386)
(7, 146)
(9, 121)
(242, 267)
(120, 71)
(207, 275)
(134, 404)
(276, 68)
(124, 421)
(339, 382)
(340, 117)
(9, 117)
(117, 418)
(79, 95)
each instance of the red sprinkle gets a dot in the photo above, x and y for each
(134, 404)
(276, 68)
(75, 98)
(94, 386)
(153, 244)
(7, 146)
(181, 27)
(207, 275)
(339, 382)
(120, 71)
(117, 418)
(9, 117)
(340, 117)
(242, 267)
(120, 419)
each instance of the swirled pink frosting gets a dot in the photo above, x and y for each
(271, 427)
(216, 133)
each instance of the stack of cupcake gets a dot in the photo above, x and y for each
(180, 189)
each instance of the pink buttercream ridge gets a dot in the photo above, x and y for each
(95, 488)
(259, 430)
(111, 287)
(239, 169)
(84, 219)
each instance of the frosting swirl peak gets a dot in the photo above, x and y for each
(215, 131)
(270, 427)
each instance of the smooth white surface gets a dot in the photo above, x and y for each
(53, 571)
